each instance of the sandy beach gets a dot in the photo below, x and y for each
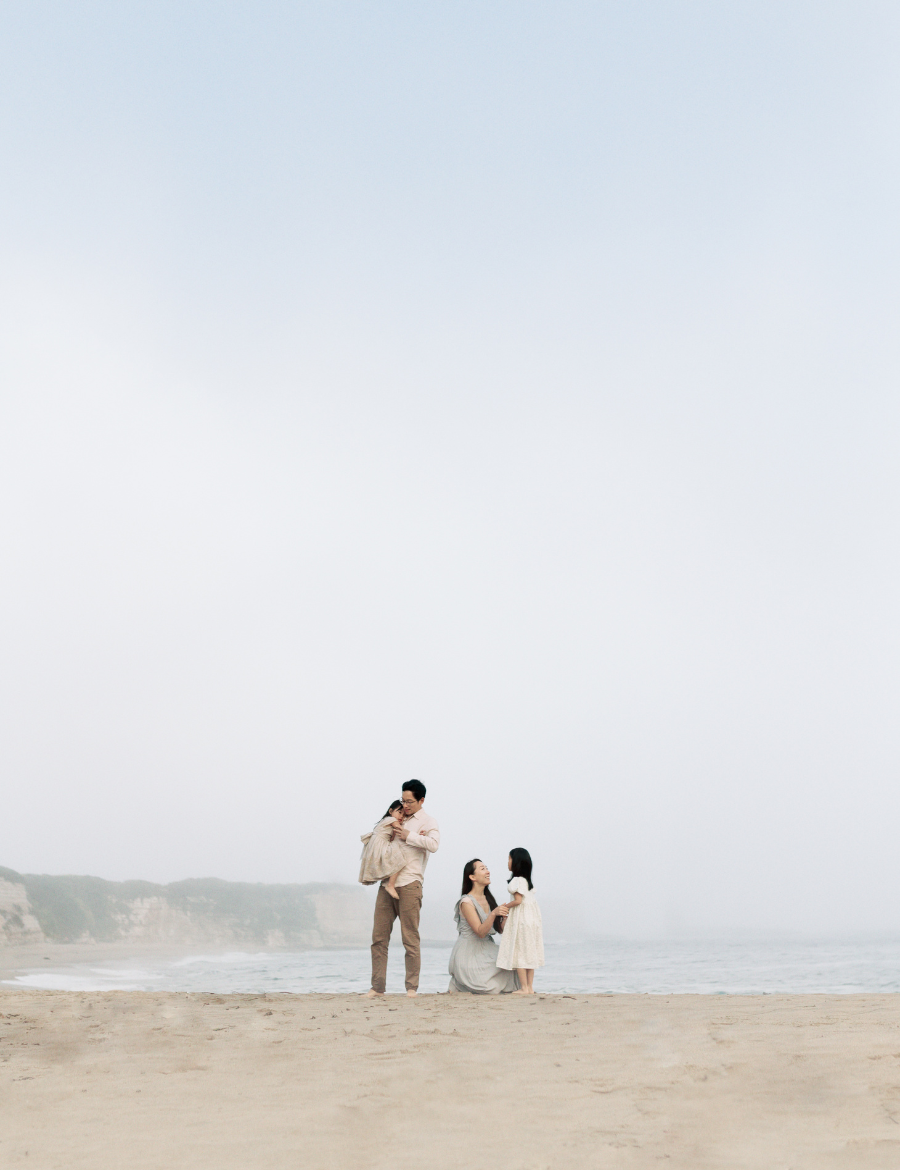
(149, 1080)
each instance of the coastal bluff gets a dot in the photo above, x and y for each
(36, 908)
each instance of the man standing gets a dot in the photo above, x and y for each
(420, 836)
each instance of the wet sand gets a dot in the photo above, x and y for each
(150, 1080)
(17, 960)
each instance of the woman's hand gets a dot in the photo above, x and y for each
(502, 911)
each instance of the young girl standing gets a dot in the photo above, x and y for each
(522, 941)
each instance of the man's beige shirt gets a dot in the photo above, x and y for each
(424, 838)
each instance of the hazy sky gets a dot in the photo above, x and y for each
(502, 394)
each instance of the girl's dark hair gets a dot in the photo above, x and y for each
(468, 870)
(392, 806)
(521, 864)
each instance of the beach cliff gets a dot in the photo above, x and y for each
(37, 908)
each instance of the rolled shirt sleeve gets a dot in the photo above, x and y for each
(429, 840)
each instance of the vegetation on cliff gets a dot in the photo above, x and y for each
(74, 908)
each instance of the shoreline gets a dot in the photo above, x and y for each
(17, 959)
(97, 1080)
(77, 967)
(343, 969)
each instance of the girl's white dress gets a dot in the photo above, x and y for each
(380, 856)
(522, 941)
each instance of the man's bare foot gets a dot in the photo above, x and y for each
(372, 994)
(412, 994)
(392, 890)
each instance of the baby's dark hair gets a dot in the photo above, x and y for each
(392, 806)
(521, 864)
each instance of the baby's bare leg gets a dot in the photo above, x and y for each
(390, 887)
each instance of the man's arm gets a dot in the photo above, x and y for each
(429, 840)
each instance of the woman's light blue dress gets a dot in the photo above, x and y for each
(473, 960)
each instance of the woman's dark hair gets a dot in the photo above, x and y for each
(394, 804)
(521, 864)
(416, 787)
(468, 870)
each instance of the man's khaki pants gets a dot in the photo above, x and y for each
(386, 910)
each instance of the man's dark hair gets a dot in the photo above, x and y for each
(416, 787)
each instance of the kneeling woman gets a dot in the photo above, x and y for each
(473, 960)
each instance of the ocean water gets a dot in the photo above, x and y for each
(749, 967)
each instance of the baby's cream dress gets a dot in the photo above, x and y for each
(380, 856)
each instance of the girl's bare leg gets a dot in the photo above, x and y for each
(523, 981)
(390, 887)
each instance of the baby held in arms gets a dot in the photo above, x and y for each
(382, 856)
